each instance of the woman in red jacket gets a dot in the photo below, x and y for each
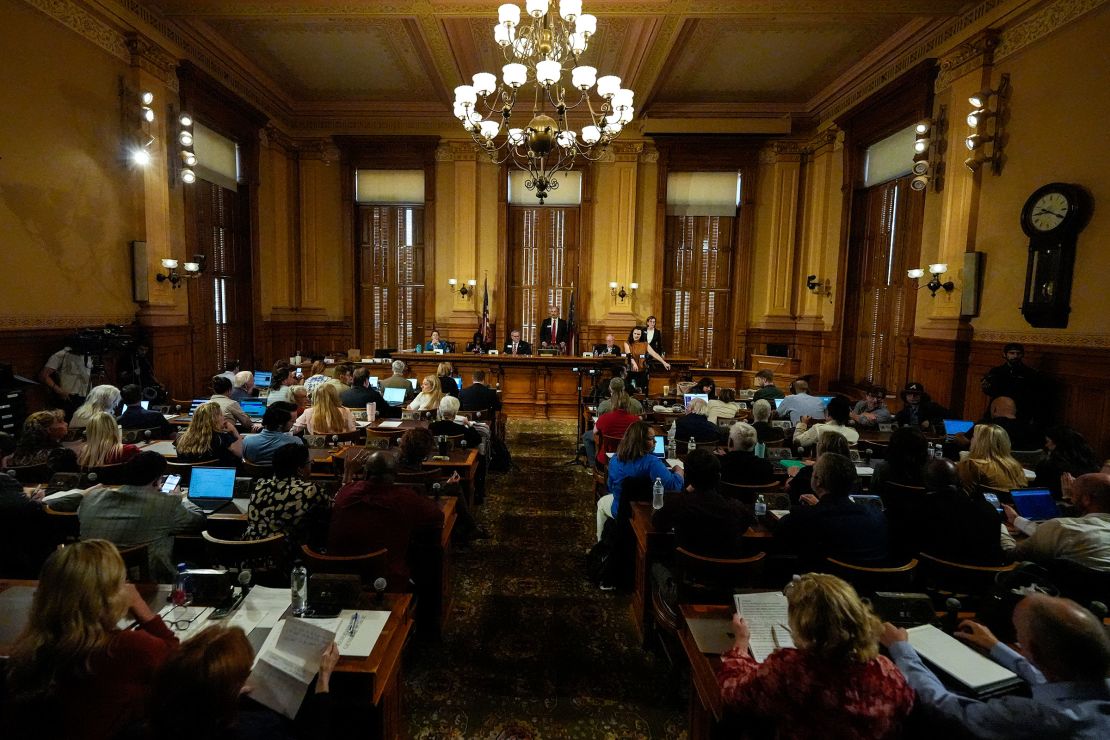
(73, 673)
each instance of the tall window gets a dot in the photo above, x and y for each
(879, 315)
(391, 281)
(543, 265)
(697, 265)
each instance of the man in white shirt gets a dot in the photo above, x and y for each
(801, 404)
(73, 371)
(1084, 540)
(221, 387)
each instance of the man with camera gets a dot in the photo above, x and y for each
(68, 375)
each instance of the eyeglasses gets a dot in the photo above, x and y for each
(181, 621)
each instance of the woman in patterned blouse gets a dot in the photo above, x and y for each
(834, 683)
(287, 503)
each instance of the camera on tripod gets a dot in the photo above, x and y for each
(96, 342)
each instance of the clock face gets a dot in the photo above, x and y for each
(1049, 211)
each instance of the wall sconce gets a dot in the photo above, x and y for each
(188, 154)
(138, 111)
(819, 288)
(934, 284)
(622, 293)
(986, 145)
(928, 147)
(465, 291)
(192, 270)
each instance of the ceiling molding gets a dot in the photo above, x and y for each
(86, 25)
(1041, 23)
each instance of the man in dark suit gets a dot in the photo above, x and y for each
(703, 520)
(136, 417)
(479, 396)
(609, 348)
(553, 330)
(360, 393)
(517, 346)
(829, 524)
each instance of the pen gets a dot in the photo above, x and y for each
(775, 637)
(353, 626)
(788, 630)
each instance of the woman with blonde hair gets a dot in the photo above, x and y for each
(429, 397)
(104, 443)
(833, 683)
(73, 673)
(445, 371)
(316, 377)
(40, 442)
(326, 415)
(210, 436)
(989, 463)
(101, 398)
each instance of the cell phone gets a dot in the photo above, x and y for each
(992, 499)
(300, 373)
(169, 483)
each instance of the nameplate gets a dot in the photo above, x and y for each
(438, 351)
(494, 352)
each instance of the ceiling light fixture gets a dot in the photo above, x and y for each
(538, 49)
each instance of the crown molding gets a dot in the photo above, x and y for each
(62, 321)
(87, 25)
(1053, 338)
(1041, 23)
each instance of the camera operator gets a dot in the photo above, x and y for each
(68, 375)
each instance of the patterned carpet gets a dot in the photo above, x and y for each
(534, 650)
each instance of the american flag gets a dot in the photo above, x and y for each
(483, 323)
(572, 331)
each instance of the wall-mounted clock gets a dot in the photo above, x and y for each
(1052, 218)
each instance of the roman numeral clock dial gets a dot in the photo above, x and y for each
(1052, 218)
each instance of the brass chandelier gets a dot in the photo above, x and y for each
(537, 50)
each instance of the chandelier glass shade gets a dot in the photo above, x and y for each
(540, 47)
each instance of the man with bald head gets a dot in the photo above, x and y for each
(1023, 434)
(610, 348)
(1083, 539)
(1065, 658)
(371, 512)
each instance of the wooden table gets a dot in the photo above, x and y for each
(706, 709)
(464, 461)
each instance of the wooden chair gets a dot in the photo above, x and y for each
(108, 475)
(453, 441)
(959, 579)
(63, 527)
(136, 560)
(268, 553)
(185, 470)
(703, 579)
(390, 435)
(251, 470)
(1029, 458)
(134, 436)
(369, 567)
(747, 493)
(869, 579)
(30, 475)
(710, 446)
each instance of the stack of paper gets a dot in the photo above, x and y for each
(287, 663)
(768, 619)
(973, 671)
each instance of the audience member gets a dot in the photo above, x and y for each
(208, 675)
(950, 523)
(280, 384)
(231, 367)
(837, 415)
(414, 448)
(1023, 435)
(990, 463)
(1083, 539)
(138, 513)
(40, 443)
(210, 436)
(429, 397)
(907, 454)
(104, 443)
(450, 425)
(136, 417)
(104, 398)
(800, 479)
(1014, 379)
(299, 397)
(287, 503)
(221, 387)
(1065, 657)
(919, 409)
(704, 521)
(634, 460)
(478, 396)
(316, 377)
(801, 404)
(344, 377)
(618, 385)
(872, 411)
(326, 415)
(765, 388)
(447, 381)
(613, 424)
(740, 465)
(67, 375)
(833, 683)
(72, 672)
(276, 423)
(761, 420)
(242, 386)
(694, 423)
(708, 386)
(1068, 455)
(724, 406)
(397, 379)
(828, 524)
(361, 393)
(374, 513)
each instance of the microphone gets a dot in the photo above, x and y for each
(436, 488)
(244, 589)
(1099, 609)
(177, 409)
(379, 588)
(146, 434)
(951, 614)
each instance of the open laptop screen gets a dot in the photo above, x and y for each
(687, 398)
(212, 483)
(957, 426)
(660, 445)
(1034, 503)
(253, 408)
(394, 396)
(196, 402)
(262, 378)
(373, 381)
(778, 402)
(413, 382)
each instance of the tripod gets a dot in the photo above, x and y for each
(580, 449)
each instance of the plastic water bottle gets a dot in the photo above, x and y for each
(938, 451)
(182, 593)
(672, 448)
(760, 506)
(298, 589)
(657, 494)
(760, 450)
(691, 445)
(673, 431)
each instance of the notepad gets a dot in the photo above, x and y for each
(767, 616)
(389, 425)
(713, 635)
(973, 671)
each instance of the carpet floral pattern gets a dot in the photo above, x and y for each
(533, 650)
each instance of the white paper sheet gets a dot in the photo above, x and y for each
(767, 617)
(360, 642)
(957, 659)
(389, 425)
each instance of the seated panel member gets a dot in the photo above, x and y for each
(517, 346)
(609, 348)
(436, 343)
(477, 344)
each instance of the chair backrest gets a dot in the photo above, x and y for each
(606, 444)
(896, 494)
(369, 567)
(716, 579)
(948, 577)
(711, 446)
(63, 526)
(30, 475)
(136, 560)
(390, 435)
(251, 470)
(238, 553)
(131, 436)
(1029, 458)
(747, 493)
(107, 475)
(868, 579)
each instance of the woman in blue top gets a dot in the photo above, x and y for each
(436, 343)
(634, 459)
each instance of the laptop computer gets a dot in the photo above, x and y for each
(825, 400)
(262, 378)
(197, 402)
(778, 402)
(414, 383)
(211, 488)
(868, 499)
(660, 449)
(1035, 504)
(957, 426)
(254, 408)
(144, 404)
(687, 398)
(373, 381)
(394, 396)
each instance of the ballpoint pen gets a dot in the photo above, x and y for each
(775, 637)
(353, 626)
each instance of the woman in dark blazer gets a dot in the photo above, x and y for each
(653, 336)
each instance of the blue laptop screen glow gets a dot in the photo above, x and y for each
(778, 402)
(394, 396)
(660, 445)
(212, 483)
(957, 426)
(413, 382)
(196, 402)
(373, 381)
(1034, 503)
(687, 398)
(262, 378)
(825, 400)
(253, 408)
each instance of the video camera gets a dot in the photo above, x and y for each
(98, 341)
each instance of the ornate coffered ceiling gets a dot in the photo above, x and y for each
(373, 62)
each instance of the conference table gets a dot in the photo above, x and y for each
(366, 692)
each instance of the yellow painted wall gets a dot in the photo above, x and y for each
(276, 260)
(325, 257)
(68, 200)
(1059, 110)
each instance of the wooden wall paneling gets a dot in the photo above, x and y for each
(174, 361)
(27, 350)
